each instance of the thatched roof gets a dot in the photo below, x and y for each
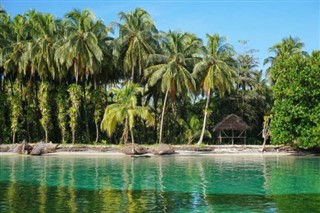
(231, 122)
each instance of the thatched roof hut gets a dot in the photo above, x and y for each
(231, 122)
(234, 123)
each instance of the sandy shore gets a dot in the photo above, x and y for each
(181, 150)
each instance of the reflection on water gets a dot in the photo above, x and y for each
(159, 184)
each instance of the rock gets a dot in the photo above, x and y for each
(163, 149)
(43, 148)
(138, 150)
(18, 149)
(23, 148)
(5, 147)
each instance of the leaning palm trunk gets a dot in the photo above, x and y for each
(162, 115)
(205, 118)
(97, 132)
(124, 137)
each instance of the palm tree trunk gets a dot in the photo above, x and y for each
(132, 140)
(63, 140)
(14, 137)
(205, 118)
(162, 115)
(86, 113)
(132, 74)
(97, 132)
(124, 137)
(73, 136)
(46, 134)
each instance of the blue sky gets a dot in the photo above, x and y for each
(261, 22)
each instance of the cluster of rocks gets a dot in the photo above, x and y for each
(33, 149)
(161, 149)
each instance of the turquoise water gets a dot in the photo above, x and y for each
(159, 184)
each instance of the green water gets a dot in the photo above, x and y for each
(159, 184)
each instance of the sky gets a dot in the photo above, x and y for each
(262, 23)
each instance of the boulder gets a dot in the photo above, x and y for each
(5, 147)
(18, 148)
(23, 148)
(163, 149)
(137, 150)
(43, 148)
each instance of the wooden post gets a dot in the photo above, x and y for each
(232, 137)
(220, 138)
(245, 137)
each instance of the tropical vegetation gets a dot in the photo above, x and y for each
(70, 80)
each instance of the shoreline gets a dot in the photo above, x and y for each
(180, 150)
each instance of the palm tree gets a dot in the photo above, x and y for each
(286, 48)
(124, 110)
(136, 40)
(170, 67)
(44, 36)
(214, 71)
(80, 49)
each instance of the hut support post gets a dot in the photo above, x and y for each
(232, 137)
(220, 138)
(245, 137)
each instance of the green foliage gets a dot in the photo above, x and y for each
(16, 111)
(191, 130)
(296, 108)
(136, 40)
(62, 108)
(75, 101)
(45, 107)
(125, 110)
(3, 107)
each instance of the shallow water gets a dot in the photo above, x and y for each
(159, 184)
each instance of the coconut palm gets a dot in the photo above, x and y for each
(125, 110)
(286, 48)
(214, 72)
(170, 67)
(15, 51)
(80, 49)
(136, 40)
(44, 36)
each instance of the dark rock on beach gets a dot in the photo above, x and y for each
(43, 148)
(163, 149)
(137, 150)
(23, 148)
